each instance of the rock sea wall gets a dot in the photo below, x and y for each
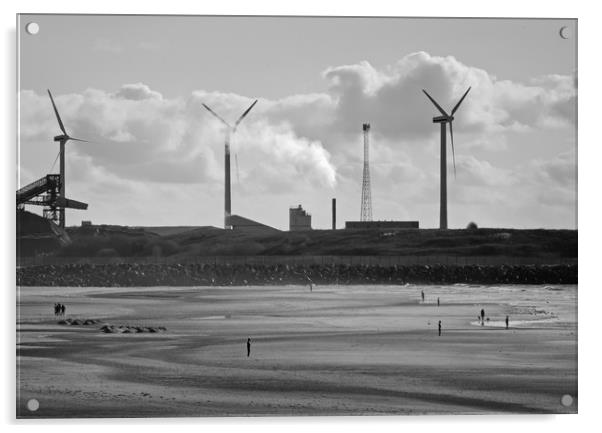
(128, 275)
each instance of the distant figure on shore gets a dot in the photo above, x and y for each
(422, 294)
(507, 322)
(482, 316)
(310, 282)
(439, 328)
(438, 302)
(59, 309)
(248, 347)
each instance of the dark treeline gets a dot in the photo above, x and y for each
(124, 275)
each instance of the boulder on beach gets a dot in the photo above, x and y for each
(127, 329)
(108, 329)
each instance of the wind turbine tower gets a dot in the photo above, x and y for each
(230, 131)
(62, 139)
(366, 214)
(443, 120)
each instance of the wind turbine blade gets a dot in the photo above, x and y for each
(244, 114)
(237, 171)
(54, 163)
(217, 116)
(460, 101)
(58, 117)
(441, 110)
(79, 139)
(451, 132)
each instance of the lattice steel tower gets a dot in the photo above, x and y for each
(366, 194)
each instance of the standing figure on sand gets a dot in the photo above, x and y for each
(439, 328)
(422, 294)
(59, 309)
(507, 322)
(310, 282)
(482, 317)
(248, 347)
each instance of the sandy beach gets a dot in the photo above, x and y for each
(337, 350)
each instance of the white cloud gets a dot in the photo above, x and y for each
(140, 136)
(474, 172)
(394, 100)
(560, 170)
(137, 92)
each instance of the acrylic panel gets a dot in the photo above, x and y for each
(267, 216)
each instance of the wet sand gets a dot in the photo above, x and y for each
(339, 350)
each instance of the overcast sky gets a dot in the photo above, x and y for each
(135, 85)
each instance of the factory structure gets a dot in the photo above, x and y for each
(298, 219)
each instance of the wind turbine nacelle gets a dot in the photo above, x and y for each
(61, 138)
(442, 119)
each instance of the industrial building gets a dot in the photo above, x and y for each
(380, 225)
(239, 223)
(299, 219)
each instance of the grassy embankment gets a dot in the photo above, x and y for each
(209, 241)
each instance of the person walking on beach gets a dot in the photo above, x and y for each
(62, 306)
(507, 322)
(439, 328)
(422, 294)
(310, 282)
(248, 347)
(482, 316)
(438, 302)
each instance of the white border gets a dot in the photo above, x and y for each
(589, 215)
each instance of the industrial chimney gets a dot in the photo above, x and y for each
(334, 213)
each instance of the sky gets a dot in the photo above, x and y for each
(134, 86)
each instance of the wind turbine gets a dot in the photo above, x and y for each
(230, 131)
(62, 139)
(444, 119)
